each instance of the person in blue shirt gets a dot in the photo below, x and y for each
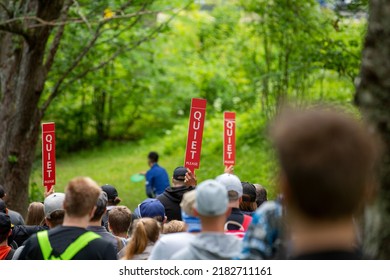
(157, 179)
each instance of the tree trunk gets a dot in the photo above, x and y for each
(22, 81)
(373, 98)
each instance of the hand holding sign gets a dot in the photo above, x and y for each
(195, 134)
(48, 155)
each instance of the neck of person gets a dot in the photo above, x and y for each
(122, 235)
(234, 204)
(313, 236)
(97, 223)
(80, 222)
(213, 224)
(4, 243)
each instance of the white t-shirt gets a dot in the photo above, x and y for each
(170, 244)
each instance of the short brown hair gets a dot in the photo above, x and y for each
(328, 160)
(174, 226)
(120, 219)
(81, 195)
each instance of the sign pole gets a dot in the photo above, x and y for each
(229, 139)
(48, 155)
(195, 134)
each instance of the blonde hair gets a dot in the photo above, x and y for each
(174, 226)
(35, 214)
(146, 230)
(81, 196)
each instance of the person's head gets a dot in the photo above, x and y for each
(188, 212)
(5, 227)
(81, 195)
(179, 175)
(248, 200)
(101, 207)
(112, 195)
(54, 209)
(3, 207)
(146, 230)
(2, 192)
(151, 208)
(327, 161)
(35, 214)
(120, 220)
(212, 204)
(152, 158)
(233, 186)
(261, 194)
(174, 226)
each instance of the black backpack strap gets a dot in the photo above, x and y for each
(10, 255)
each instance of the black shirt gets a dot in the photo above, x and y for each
(61, 237)
(171, 199)
(331, 255)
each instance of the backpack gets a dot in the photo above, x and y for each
(72, 250)
(243, 227)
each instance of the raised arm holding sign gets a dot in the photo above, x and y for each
(48, 155)
(229, 139)
(195, 134)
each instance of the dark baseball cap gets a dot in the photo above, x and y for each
(111, 191)
(5, 223)
(249, 192)
(180, 173)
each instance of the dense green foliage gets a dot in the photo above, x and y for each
(246, 56)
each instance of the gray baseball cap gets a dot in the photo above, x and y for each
(53, 202)
(211, 198)
(231, 183)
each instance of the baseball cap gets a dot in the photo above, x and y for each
(53, 202)
(249, 192)
(150, 208)
(5, 223)
(211, 198)
(231, 183)
(180, 173)
(101, 205)
(111, 191)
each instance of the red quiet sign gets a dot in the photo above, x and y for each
(48, 155)
(195, 133)
(229, 139)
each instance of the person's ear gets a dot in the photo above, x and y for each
(92, 213)
(284, 186)
(109, 227)
(165, 219)
(47, 222)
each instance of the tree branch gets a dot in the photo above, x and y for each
(56, 90)
(57, 38)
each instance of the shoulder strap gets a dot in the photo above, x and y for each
(246, 222)
(10, 255)
(44, 243)
(78, 245)
(71, 251)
